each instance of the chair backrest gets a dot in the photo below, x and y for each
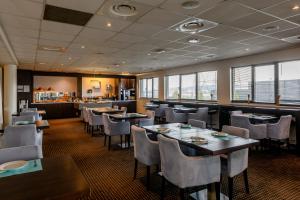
(203, 114)
(29, 118)
(29, 109)
(106, 123)
(145, 150)
(240, 121)
(169, 115)
(124, 109)
(30, 152)
(178, 106)
(282, 130)
(197, 123)
(85, 114)
(115, 107)
(237, 161)
(160, 111)
(31, 113)
(236, 112)
(150, 114)
(21, 135)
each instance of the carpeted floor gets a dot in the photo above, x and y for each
(109, 173)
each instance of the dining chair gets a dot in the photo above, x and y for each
(201, 114)
(256, 131)
(236, 112)
(147, 121)
(160, 112)
(28, 118)
(95, 121)
(280, 131)
(186, 172)
(174, 117)
(236, 162)
(35, 114)
(29, 109)
(114, 128)
(197, 123)
(85, 118)
(22, 135)
(146, 151)
(30, 152)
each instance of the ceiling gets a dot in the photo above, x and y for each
(127, 44)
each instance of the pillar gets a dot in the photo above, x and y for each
(9, 93)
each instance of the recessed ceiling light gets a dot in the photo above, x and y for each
(82, 46)
(191, 4)
(62, 64)
(193, 40)
(123, 9)
(194, 25)
(296, 7)
(149, 54)
(247, 49)
(108, 24)
(271, 28)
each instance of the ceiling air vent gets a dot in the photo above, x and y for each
(123, 10)
(193, 25)
(158, 51)
(192, 4)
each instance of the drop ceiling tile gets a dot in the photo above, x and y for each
(242, 35)
(150, 2)
(179, 52)
(54, 43)
(96, 34)
(226, 11)
(219, 43)
(22, 8)
(19, 22)
(90, 6)
(23, 40)
(197, 48)
(145, 30)
(197, 54)
(176, 6)
(141, 47)
(286, 33)
(161, 17)
(101, 22)
(22, 32)
(106, 9)
(252, 20)
(57, 27)
(278, 27)
(116, 44)
(175, 45)
(260, 40)
(285, 9)
(219, 31)
(122, 37)
(56, 36)
(259, 4)
(169, 35)
(295, 19)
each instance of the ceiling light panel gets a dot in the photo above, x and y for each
(193, 26)
(259, 4)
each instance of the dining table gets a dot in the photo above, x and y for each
(182, 109)
(216, 144)
(47, 178)
(40, 124)
(151, 106)
(128, 116)
(260, 118)
(100, 111)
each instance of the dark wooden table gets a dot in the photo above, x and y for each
(185, 110)
(259, 118)
(100, 111)
(59, 179)
(127, 116)
(215, 145)
(151, 106)
(42, 124)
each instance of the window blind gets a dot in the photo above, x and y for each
(241, 83)
(264, 84)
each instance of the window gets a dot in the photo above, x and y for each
(264, 84)
(242, 83)
(207, 85)
(172, 87)
(155, 88)
(149, 88)
(289, 82)
(143, 88)
(188, 86)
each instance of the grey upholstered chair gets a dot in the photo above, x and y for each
(197, 123)
(160, 111)
(22, 135)
(174, 117)
(30, 152)
(113, 128)
(31, 113)
(236, 112)
(280, 130)
(184, 171)
(146, 151)
(95, 121)
(237, 161)
(201, 114)
(28, 118)
(256, 131)
(85, 118)
(29, 109)
(149, 120)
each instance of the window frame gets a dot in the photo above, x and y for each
(140, 88)
(276, 82)
(197, 79)
(167, 87)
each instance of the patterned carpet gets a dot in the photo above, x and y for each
(272, 176)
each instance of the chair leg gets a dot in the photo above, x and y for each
(245, 173)
(148, 177)
(218, 190)
(92, 131)
(121, 140)
(128, 137)
(163, 184)
(135, 168)
(104, 139)
(109, 142)
(181, 194)
(288, 144)
(230, 187)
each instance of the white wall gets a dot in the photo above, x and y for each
(223, 68)
(58, 83)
